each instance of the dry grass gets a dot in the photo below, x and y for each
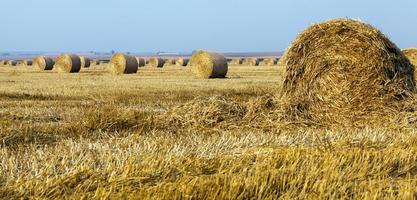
(161, 134)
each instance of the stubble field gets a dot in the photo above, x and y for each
(163, 134)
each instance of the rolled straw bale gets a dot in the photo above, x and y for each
(3, 62)
(141, 61)
(235, 61)
(68, 63)
(168, 62)
(341, 70)
(85, 62)
(94, 62)
(411, 54)
(156, 62)
(12, 63)
(251, 61)
(43, 63)
(207, 64)
(181, 62)
(27, 62)
(268, 62)
(123, 64)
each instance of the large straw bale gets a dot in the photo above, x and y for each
(411, 54)
(85, 62)
(68, 63)
(141, 61)
(156, 62)
(345, 69)
(268, 62)
(123, 64)
(12, 63)
(207, 64)
(168, 62)
(181, 62)
(251, 61)
(27, 62)
(235, 61)
(43, 63)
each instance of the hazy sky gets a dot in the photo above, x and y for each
(185, 25)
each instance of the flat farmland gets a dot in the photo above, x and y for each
(163, 134)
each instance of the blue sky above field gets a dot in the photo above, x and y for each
(185, 25)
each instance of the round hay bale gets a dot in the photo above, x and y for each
(181, 62)
(251, 61)
(235, 61)
(141, 61)
(268, 62)
(94, 62)
(343, 69)
(156, 62)
(68, 63)
(207, 64)
(411, 54)
(27, 62)
(85, 62)
(168, 62)
(43, 63)
(12, 63)
(123, 64)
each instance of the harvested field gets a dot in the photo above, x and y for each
(165, 134)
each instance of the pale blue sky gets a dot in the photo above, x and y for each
(185, 25)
